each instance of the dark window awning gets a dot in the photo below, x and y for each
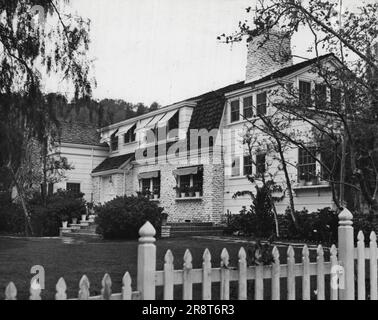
(185, 171)
(149, 175)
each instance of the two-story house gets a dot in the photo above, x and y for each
(156, 152)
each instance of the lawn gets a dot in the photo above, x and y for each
(94, 258)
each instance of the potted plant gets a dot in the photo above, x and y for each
(302, 179)
(191, 191)
(315, 179)
(146, 193)
(309, 180)
(164, 218)
(156, 192)
(184, 190)
(64, 221)
(74, 220)
(83, 217)
(197, 190)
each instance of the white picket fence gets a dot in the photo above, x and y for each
(341, 284)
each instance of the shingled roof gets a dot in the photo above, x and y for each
(113, 162)
(79, 133)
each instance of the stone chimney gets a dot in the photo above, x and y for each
(268, 53)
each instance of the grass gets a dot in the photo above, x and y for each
(95, 258)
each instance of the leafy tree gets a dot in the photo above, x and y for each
(347, 123)
(31, 52)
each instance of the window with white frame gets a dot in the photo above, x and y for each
(260, 163)
(235, 166)
(189, 181)
(320, 95)
(306, 164)
(304, 92)
(150, 186)
(247, 165)
(261, 103)
(247, 107)
(129, 136)
(235, 110)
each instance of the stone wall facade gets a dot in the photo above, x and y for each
(267, 55)
(208, 208)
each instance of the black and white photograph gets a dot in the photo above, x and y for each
(158, 150)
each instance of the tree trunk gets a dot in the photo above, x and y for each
(28, 225)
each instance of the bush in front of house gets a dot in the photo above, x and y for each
(122, 217)
(12, 218)
(258, 220)
(46, 219)
(320, 226)
(63, 205)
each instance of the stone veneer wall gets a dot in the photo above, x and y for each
(207, 209)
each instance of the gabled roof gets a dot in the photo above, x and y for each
(113, 162)
(79, 133)
(209, 110)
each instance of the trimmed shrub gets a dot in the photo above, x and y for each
(257, 220)
(45, 220)
(122, 217)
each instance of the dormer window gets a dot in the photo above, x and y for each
(247, 107)
(129, 136)
(114, 141)
(173, 124)
(304, 92)
(261, 103)
(235, 110)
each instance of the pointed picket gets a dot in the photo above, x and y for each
(373, 266)
(35, 290)
(225, 275)
(126, 287)
(168, 275)
(61, 288)
(306, 288)
(84, 288)
(187, 286)
(290, 274)
(361, 290)
(242, 274)
(106, 291)
(11, 292)
(334, 264)
(259, 282)
(320, 273)
(276, 274)
(206, 275)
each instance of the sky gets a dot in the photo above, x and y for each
(167, 50)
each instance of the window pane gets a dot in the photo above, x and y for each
(235, 111)
(74, 187)
(247, 168)
(261, 103)
(320, 94)
(146, 185)
(306, 164)
(260, 163)
(235, 167)
(114, 143)
(247, 107)
(185, 181)
(304, 92)
(335, 96)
